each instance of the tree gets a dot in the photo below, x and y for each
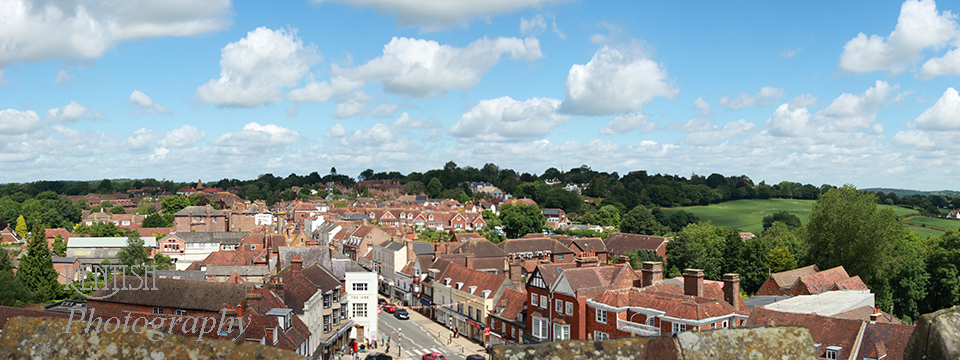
(156, 221)
(781, 259)
(638, 257)
(13, 290)
(702, 246)
(640, 221)
(172, 204)
(134, 254)
(162, 262)
(117, 210)
(434, 188)
(783, 216)
(414, 187)
(5, 264)
(365, 175)
(943, 266)
(521, 219)
(848, 229)
(36, 268)
(59, 246)
(679, 219)
(21, 227)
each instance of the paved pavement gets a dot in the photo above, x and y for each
(420, 335)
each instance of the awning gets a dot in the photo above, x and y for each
(426, 302)
(346, 326)
(473, 323)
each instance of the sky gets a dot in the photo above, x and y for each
(820, 92)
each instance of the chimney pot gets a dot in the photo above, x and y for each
(651, 273)
(693, 282)
(296, 264)
(731, 290)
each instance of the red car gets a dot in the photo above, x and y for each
(433, 356)
(390, 308)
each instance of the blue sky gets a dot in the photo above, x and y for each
(816, 92)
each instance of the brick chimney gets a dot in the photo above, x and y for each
(875, 316)
(296, 265)
(651, 273)
(252, 299)
(693, 282)
(731, 290)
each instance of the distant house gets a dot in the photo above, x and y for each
(93, 250)
(621, 244)
(554, 217)
(809, 280)
(199, 219)
(954, 214)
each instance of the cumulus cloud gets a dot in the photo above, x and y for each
(349, 109)
(71, 112)
(615, 81)
(847, 113)
(802, 100)
(613, 32)
(13, 122)
(255, 139)
(384, 110)
(142, 139)
(376, 140)
(254, 69)
(735, 129)
(534, 26)
(948, 64)
(322, 91)
(762, 98)
(82, 30)
(63, 77)
(703, 106)
(628, 123)
(943, 115)
(337, 130)
(506, 119)
(145, 105)
(424, 68)
(183, 137)
(407, 122)
(433, 15)
(920, 26)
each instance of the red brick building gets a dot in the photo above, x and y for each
(200, 219)
(621, 244)
(506, 322)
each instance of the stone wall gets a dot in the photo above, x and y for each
(936, 337)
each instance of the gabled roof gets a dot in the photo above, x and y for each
(479, 248)
(199, 211)
(824, 280)
(309, 255)
(513, 302)
(514, 246)
(550, 272)
(590, 244)
(881, 339)
(621, 243)
(394, 246)
(180, 294)
(218, 237)
(673, 305)
(421, 248)
(585, 281)
(480, 279)
(230, 257)
(786, 279)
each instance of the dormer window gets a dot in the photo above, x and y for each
(446, 281)
(430, 218)
(486, 294)
(459, 285)
(833, 352)
(500, 309)
(472, 289)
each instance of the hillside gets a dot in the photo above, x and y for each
(905, 192)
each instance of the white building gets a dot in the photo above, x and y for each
(361, 287)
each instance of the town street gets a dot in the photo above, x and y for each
(415, 339)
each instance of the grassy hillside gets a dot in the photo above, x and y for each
(747, 215)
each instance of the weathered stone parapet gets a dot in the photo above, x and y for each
(763, 342)
(936, 336)
(44, 338)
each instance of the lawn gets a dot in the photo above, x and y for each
(747, 215)
(940, 224)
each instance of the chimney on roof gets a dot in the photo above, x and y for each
(875, 316)
(693, 282)
(651, 273)
(731, 290)
(296, 264)
(252, 300)
(469, 262)
(587, 258)
(622, 259)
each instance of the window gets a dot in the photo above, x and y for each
(360, 310)
(598, 335)
(533, 299)
(833, 352)
(560, 256)
(540, 327)
(513, 332)
(478, 314)
(359, 286)
(677, 327)
(543, 301)
(469, 311)
(559, 306)
(503, 327)
(561, 332)
(650, 320)
(569, 308)
(460, 308)
(326, 301)
(336, 316)
(601, 316)
(336, 295)
(181, 313)
(326, 323)
(158, 310)
(725, 324)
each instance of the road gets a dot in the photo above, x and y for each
(415, 341)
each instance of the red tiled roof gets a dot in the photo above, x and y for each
(786, 279)
(826, 331)
(620, 243)
(824, 280)
(881, 339)
(854, 283)
(231, 257)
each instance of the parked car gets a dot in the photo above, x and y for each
(401, 314)
(381, 301)
(433, 356)
(475, 357)
(378, 356)
(390, 308)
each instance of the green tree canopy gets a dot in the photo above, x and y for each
(156, 220)
(640, 221)
(59, 246)
(13, 290)
(521, 219)
(172, 204)
(134, 254)
(783, 216)
(434, 188)
(702, 246)
(36, 268)
(21, 227)
(117, 210)
(781, 259)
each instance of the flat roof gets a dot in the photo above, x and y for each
(827, 303)
(75, 242)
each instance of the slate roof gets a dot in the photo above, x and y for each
(551, 212)
(218, 237)
(620, 243)
(180, 294)
(395, 246)
(309, 255)
(421, 248)
(514, 246)
(479, 248)
(199, 211)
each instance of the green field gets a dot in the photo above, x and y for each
(747, 215)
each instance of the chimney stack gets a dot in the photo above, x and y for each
(693, 282)
(731, 290)
(875, 316)
(296, 264)
(252, 299)
(651, 273)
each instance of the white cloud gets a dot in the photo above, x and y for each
(788, 121)
(63, 77)
(349, 109)
(613, 33)
(735, 129)
(556, 30)
(13, 122)
(920, 26)
(534, 26)
(376, 140)
(704, 107)
(72, 112)
(337, 130)
(615, 81)
(407, 122)
(948, 64)
(761, 99)
(255, 139)
(145, 105)
(83, 30)
(183, 137)
(505, 119)
(802, 100)
(435, 15)
(789, 54)
(628, 123)
(383, 111)
(424, 68)
(913, 138)
(944, 114)
(142, 139)
(847, 113)
(254, 69)
(322, 91)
